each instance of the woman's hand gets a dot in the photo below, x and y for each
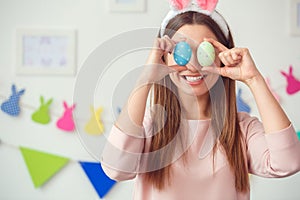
(156, 68)
(238, 62)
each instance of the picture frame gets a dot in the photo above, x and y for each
(127, 5)
(45, 51)
(295, 17)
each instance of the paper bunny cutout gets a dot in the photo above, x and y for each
(241, 104)
(66, 122)
(11, 106)
(273, 92)
(119, 110)
(95, 125)
(209, 5)
(42, 114)
(293, 85)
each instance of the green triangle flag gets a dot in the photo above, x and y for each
(42, 166)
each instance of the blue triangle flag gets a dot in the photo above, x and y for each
(101, 182)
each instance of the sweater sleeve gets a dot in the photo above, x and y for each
(274, 154)
(122, 153)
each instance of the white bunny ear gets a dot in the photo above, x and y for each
(179, 4)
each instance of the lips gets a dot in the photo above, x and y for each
(194, 78)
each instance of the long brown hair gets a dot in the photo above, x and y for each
(223, 116)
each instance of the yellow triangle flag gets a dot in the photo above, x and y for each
(42, 166)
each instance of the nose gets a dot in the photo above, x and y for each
(193, 64)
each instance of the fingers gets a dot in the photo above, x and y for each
(231, 57)
(216, 44)
(228, 57)
(166, 44)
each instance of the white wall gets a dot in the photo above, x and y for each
(261, 26)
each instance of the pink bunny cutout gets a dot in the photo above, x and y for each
(293, 85)
(66, 122)
(209, 5)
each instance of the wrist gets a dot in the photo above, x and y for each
(254, 81)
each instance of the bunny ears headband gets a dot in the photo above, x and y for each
(206, 7)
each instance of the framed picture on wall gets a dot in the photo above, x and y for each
(45, 51)
(295, 17)
(127, 5)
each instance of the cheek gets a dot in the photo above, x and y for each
(211, 80)
(174, 78)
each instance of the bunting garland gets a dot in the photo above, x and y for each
(101, 182)
(43, 166)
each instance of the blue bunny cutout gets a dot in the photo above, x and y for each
(241, 105)
(11, 106)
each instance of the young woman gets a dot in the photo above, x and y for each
(192, 143)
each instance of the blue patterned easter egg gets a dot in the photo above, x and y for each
(206, 54)
(182, 53)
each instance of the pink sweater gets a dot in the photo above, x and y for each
(269, 155)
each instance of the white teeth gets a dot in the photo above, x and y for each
(194, 78)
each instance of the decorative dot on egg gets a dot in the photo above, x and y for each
(182, 53)
(206, 54)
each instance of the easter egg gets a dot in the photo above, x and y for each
(182, 53)
(206, 54)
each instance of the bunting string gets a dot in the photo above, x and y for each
(42, 166)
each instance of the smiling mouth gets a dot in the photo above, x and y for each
(194, 78)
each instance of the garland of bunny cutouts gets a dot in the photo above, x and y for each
(95, 126)
(11, 107)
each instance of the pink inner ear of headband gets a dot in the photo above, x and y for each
(179, 4)
(209, 5)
